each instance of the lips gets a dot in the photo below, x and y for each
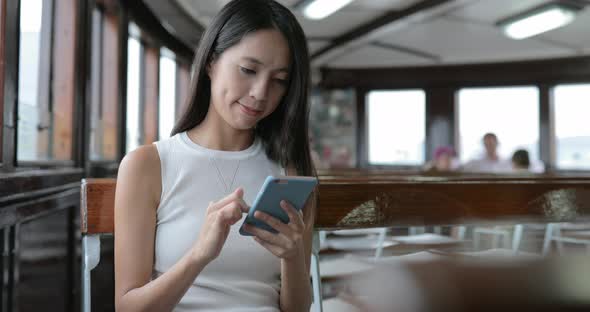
(250, 111)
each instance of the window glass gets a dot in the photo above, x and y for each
(572, 133)
(96, 133)
(167, 96)
(133, 68)
(34, 122)
(512, 113)
(396, 127)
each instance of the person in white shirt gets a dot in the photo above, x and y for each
(179, 203)
(491, 161)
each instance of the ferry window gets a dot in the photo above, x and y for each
(332, 128)
(167, 95)
(133, 138)
(396, 127)
(96, 125)
(572, 134)
(108, 130)
(35, 124)
(512, 113)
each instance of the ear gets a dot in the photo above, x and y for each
(208, 69)
(210, 66)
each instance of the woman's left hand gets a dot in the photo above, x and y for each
(287, 244)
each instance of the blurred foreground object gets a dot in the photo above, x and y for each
(467, 283)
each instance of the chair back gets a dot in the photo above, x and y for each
(98, 206)
(97, 209)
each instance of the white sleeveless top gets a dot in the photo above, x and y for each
(245, 276)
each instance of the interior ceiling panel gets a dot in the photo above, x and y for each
(335, 24)
(374, 56)
(458, 42)
(380, 4)
(315, 45)
(576, 34)
(491, 11)
(464, 34)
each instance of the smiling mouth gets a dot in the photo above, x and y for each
(249, 111)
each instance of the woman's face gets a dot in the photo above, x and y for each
(249, 79)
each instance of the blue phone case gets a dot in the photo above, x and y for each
(295, 190)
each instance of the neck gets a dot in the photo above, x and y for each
(214, 133)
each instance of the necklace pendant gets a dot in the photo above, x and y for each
(227, 187)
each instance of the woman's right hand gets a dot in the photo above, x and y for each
(221, 215)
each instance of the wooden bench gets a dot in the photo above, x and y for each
(380, 200)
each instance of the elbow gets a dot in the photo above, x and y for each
(123, 304)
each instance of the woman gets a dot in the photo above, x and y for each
(177, 208)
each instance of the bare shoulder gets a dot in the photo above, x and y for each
(140, 169)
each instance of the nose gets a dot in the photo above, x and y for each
(259, 89)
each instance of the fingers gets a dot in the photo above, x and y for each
(295, 216)
(275, 239)
(275, 250)
(273, 222)
(230, 213)
(280, 240)
(236, 195)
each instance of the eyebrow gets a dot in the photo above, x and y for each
(256, 61)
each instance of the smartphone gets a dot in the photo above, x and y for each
(295, 190)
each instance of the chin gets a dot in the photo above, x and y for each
(243, 125)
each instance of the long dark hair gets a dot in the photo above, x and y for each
(284, 132)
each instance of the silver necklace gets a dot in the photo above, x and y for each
(220, 175)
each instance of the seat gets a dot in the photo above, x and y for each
(566, 233)
(97, 219)
(97, 209)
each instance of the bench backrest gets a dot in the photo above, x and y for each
(381, 200)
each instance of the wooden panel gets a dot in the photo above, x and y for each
(110, 85)
(151, 76)
(354, 202)
(63, 78)
(97, 206)
(349, 202)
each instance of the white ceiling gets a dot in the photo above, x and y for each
(461, 32)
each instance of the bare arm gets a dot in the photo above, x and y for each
(293, 245)
(295, 280)
(136, 201)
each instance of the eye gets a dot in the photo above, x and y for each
(247, 71)
(282, 82)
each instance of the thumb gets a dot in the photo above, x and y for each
(239, 191)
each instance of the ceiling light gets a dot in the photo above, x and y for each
(539, 20)
(319, 9)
